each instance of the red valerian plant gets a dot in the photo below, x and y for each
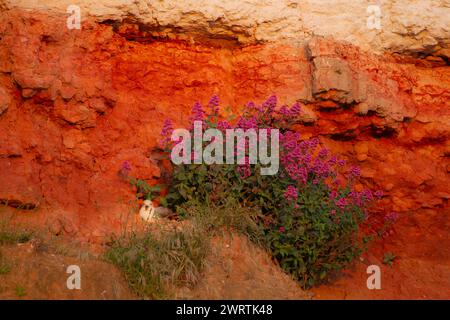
(124, 170)
(311, 212)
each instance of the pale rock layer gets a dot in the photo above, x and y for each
(411, 26)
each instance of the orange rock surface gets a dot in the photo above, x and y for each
(75, 104)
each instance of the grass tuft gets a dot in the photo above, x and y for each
(153, 266)
(20, 291)
(8, 236)
(5, 268)
(230, 216)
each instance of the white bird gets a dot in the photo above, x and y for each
(149, 213)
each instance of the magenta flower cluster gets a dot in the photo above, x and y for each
(124, 170)
(302, 161)
(197, 113)
(166, 132)
(214, 104)
(223, 125)
(311, 211)
(295, 110)
(126, 166)
(291, 193)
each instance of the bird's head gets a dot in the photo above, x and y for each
(148, 205)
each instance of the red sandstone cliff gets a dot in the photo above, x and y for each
(75, 104)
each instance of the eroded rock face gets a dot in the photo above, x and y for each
(81, 102)
(418, 27)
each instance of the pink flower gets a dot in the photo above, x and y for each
(124, 170)
(323, 153)
(291, 193)
(333, 194)
(197, 113)
(126, 165)
(214, 104)
(341, 203)
(270, 104)
(295, 110)
(367, 194)
(223, 125)
(284, 111)
(282, 229)
(244, 123)
(166, 132)
(355, 171)
(333, 160)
